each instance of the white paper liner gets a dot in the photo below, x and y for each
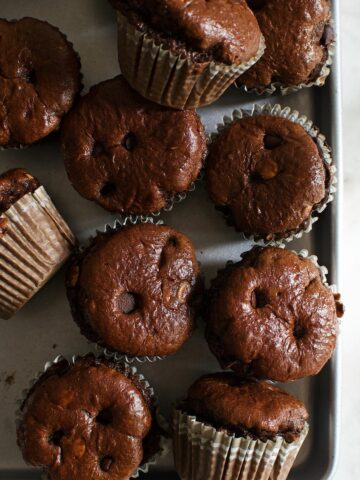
(166, 78)
(287, 89)
(118, 224)
(35, 244)
(324, 150)
(202, 452)
(129, 371)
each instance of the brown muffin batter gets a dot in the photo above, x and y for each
(85, 421)
(128, 154)
(222, 30)
(267, 175)
(297, 35)
(246, 407)
(271, 316)
(134, 291)
(39, 79)
(14, 184)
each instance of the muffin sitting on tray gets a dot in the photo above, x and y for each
(136, 290)
(185, 54)
(268, 174)
(35, 241)
(272, 316)
(243, 427)
(89, 419)
(39, 80)
(299, 45)
(130, 155)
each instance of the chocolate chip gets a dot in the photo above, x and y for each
(106, 462)
(104, 417)
(328, 35)
(272, 141)
(108, 189)
(259, 298)
(128, 302)
(56, 437)
(129, 141)
(98, 149)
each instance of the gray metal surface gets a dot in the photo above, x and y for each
(44, 328)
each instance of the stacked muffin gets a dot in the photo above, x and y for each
(135, 145)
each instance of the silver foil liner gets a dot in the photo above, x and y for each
(203, 452)
(35, 241)
(324, 150)
(129, 371)
(277, 87)
(117, 225)
(166, 78)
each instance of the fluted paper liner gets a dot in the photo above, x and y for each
(277, 87)
(34, 243)
(203, 452)
(132, 373)
(324, 150)
(169, 79)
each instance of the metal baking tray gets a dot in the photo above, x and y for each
(44, 328)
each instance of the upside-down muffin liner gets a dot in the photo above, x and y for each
(35, 241)
(169, 79)
(278, 87)
(325, 153)
(132, 373)
(204, 452)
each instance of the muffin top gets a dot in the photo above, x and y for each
(226, 30)
(14, 184)
(246, 407)
(267, 174)
(297, 35)
(271, 316)
(39, 79)
(135, 290)
(128, 154)
(85, 420)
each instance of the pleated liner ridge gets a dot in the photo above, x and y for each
(35, 241)
(202, 452)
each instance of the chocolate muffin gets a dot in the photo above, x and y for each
(136, 290)
(272, 316)
(39, 80)
(185, 54)
(35, 240)
(298, 38)
(268, 176)
(247, 427)
(14, 184)
(87, 419)
(130, 155)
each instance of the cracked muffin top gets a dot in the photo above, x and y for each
(271, 316)
(85, 420)
(222, 30)
(135, 290)
(267, 175)
(128, 154)
(297, 36)
(39, 79)
(245, 407)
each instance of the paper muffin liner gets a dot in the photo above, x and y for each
(169, 79)
(278, 87)
(324, 150)
(35, 241)
(117, 225)
(132, 373)
(203, 452)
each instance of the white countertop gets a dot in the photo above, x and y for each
(349, 465)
